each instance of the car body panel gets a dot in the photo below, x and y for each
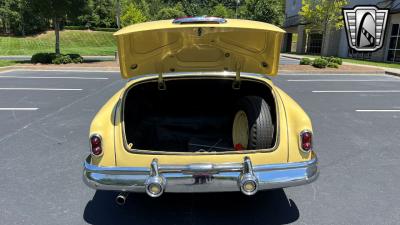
(297, 121)
(292, 120)
(161, 46)
(236, 50)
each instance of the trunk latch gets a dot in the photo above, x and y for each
(237, 81)
(161, 83)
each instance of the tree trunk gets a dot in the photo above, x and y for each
(4, 25)
(323, 45)
(56, 23)
(118, 13)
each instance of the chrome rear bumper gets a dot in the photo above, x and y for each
(200, 177)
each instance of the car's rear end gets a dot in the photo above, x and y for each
(199, 114)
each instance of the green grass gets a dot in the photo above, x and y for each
(371, 63)
(7, 63)
(359, 61)
(71, 41)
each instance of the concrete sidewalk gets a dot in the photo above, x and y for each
(390, 71)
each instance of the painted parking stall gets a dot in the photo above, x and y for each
(44, 139)
(30, 95)
(355, 120)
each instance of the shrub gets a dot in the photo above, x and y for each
(320, 63)
(76, 58)
(333, 60)
(62, 59)
(305, 61)
(332, 65)
(338, 61)
(44, 58)
(52, 58)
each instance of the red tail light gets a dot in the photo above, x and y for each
(306, 140)
(95, 145)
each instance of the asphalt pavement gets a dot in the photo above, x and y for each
(288, 61)
(44, 122)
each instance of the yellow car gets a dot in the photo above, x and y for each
(199, 113)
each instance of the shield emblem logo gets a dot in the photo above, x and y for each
(365, 27)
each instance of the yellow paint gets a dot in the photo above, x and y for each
(291, 117)
(292, 120)
(162, 47)
(298, 121)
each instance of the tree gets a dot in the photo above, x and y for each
(118, 12)
(17, 18)
(57, 11)
(10, 15)
(154, 7)
(221, 11)
(323, 16)
(131, 15)
(103, 13)
(171, 12)
(269, 11)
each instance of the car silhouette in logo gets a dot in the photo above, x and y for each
(365, 27)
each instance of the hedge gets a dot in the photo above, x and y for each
(52, 58)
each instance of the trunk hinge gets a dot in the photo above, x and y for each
(237, 81)
(161, 83)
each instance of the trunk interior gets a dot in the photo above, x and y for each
(191, 115)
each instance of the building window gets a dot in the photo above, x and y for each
(394, 44)
(314, 43)
(294, 43)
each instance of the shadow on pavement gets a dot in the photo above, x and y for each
(270, 207)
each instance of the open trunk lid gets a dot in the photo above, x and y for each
(199, 44)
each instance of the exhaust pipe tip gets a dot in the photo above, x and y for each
(121, 198)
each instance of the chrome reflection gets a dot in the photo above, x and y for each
(155, 184)
(248, 182)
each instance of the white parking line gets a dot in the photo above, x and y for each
(43, 89)
(365, 91)
(378, 110)
(325, 80)
(18, 109)
(74, 70)
(76, 78)
(331, 74)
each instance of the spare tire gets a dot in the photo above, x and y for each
(252, 124)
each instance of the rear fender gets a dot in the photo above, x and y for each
(297, 121)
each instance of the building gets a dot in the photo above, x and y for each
(297, 40)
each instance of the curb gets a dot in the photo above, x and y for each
(386, 71)
(392, 73)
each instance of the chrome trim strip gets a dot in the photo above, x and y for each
(199, 20)
(200, 177)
